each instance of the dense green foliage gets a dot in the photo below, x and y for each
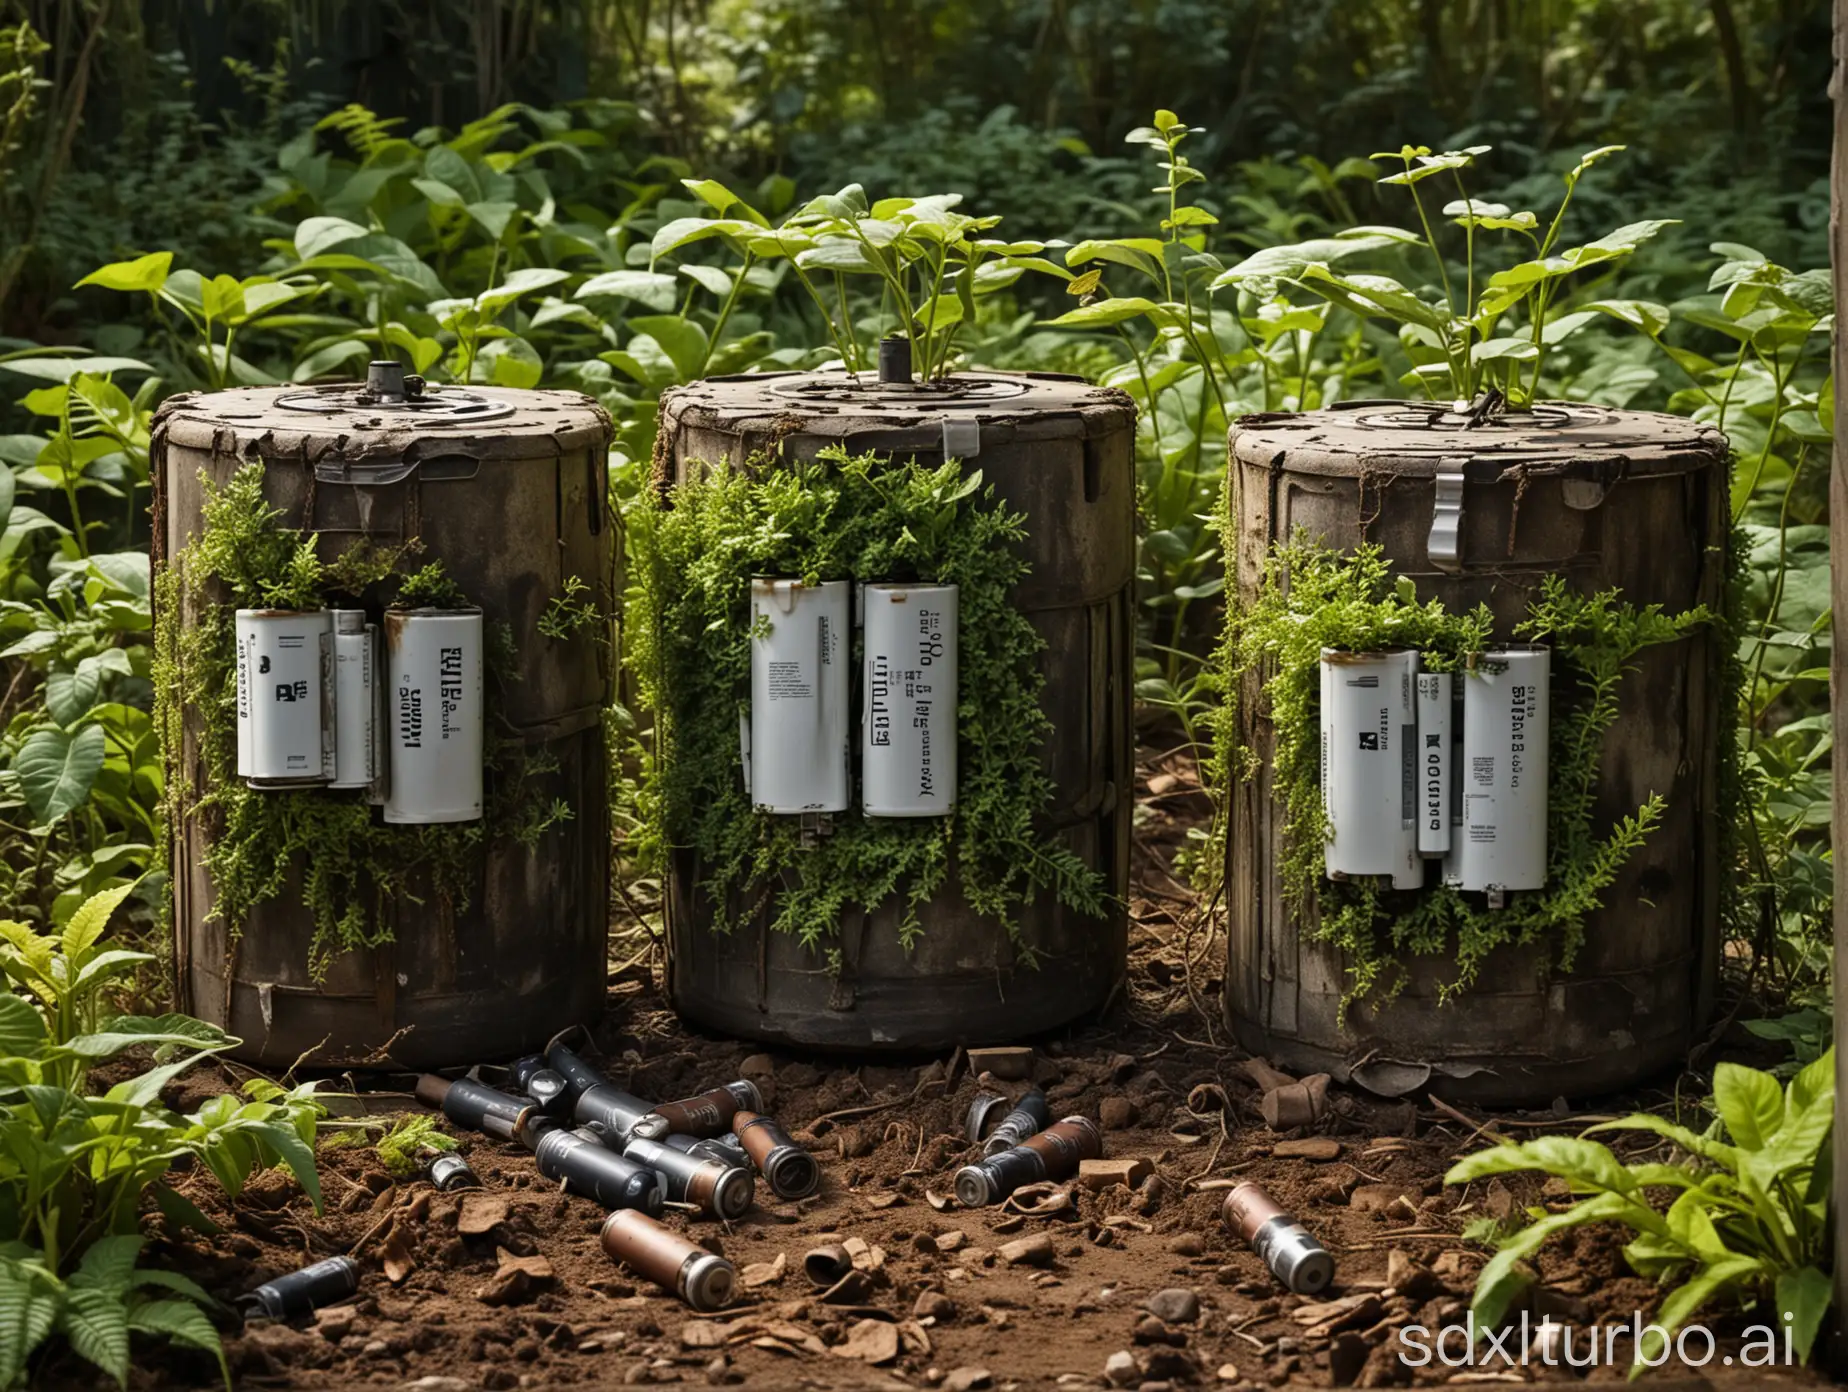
(76, 1168)
(841, 517)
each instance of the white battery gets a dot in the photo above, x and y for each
(1369, 765)
(433, 697)
(283, 727)
(356, 723)
(908, 716)
(1501, 842)
(1434, 760)
(799, 695)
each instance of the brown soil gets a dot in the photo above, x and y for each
(889, 1135)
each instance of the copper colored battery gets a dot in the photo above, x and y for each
(1283, 1244)
(1054, 1153)
(789, 1170)
(710, 1114)
(646, 1247)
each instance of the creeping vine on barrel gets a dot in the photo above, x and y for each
(351, 867)
(1312, 597)
(693, 554)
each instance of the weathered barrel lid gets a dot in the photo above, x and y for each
(347, 422)
(860, 410)
(1420, 438)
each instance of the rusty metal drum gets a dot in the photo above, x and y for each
(1482, 512)
(509, 490)
(1061, 452)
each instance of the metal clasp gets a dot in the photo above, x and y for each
(1445, 547)
(962, 437)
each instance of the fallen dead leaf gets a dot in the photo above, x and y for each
(938, 1201)
(705, 1334)
(518, 1279)
(395, 1256)
(914, 1336)
(759, 1274)
(870, 1341)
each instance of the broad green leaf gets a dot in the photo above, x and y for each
(1690, 1225)
(106, 965)
(1646, 315)
(296, 1154)
(1687, 1300)
(681, 339)
(520, 282)
(837, 254)
(1718, 1152)
(493, 216)
(22, 1029)
(722, 200)
(56, 769)
(511, 362)
(1504, 349)
(1749, 1102)
(91, 920)
(685, 231)
(143, 1090)
(108, 1262)
(184, 1324)
(147, 273)
(324, 360)
(654, 289)
(438, 192)
(318, 234)
(1805, 1295)
(1585, 1165)
(63, 369)
(710, 278)
(30, 1300)
(128, 1031)
(1106, 313)
(126, 571)
(69, 694)
(1502, 1280)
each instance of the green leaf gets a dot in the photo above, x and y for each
(105, 965)
(70, 694)
(89, 922)
(108, 1262)
(1646, 315)
(685, 231)
(30, 1300)
(56, 770)
(184, 1324)
(147, 273)
(130, 1031)
(143, 1090)
(1749, 1102)
(318, 234)
(681, 339)
(655, 289)
(22, 1029)
(493, 217)
(181, 1212)
(1501, 1280)
(1106, 313)
(323, 361)
(708, 277)
(1805, 1295)
(1702, 1287)
(63, 369)
(521, 282)
(295, 1153)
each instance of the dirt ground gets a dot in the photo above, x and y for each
(1139, 1288)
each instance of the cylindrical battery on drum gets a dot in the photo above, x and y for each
(433, 694)
(356, 731)
(284, 734)
(908, 717)
(1502, 842)
(1434, 758)
(1369, 765)
(799, 695)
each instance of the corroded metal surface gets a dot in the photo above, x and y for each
(512, 509)
(1061, 452)
(1629, 500)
